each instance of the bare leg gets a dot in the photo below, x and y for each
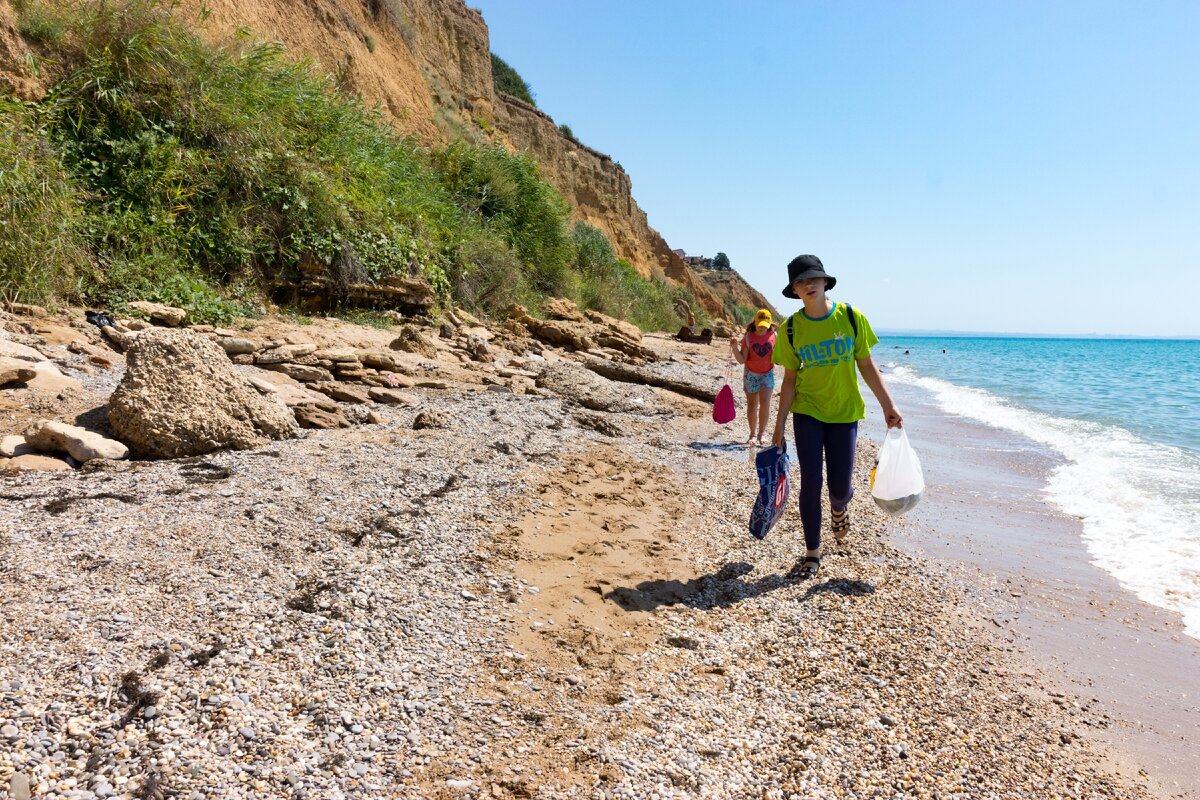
(752, 415)
(764, 412)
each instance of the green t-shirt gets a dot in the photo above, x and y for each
(823, 354)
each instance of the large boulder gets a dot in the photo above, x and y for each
(181, 397)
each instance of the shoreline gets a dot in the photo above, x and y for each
(1025, 564)
(514, 604)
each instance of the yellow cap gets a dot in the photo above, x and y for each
(762, 319)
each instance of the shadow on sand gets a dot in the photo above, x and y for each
(723, 588)
(722, 447)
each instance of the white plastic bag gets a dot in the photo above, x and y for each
(896, 480)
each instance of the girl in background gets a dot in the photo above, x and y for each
(754, 350)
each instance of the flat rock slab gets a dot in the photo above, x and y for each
(341, 392)
(34, 463)
(664, 376)
(301, 372)
(11, 349)
(50, 381)
(586, 388)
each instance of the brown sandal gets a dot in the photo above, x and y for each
(839, 524)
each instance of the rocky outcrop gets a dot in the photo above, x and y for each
(570, 328)
(181, 397)
(584, 387)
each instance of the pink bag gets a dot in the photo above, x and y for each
(724, 409)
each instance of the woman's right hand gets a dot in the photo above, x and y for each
(777, 437)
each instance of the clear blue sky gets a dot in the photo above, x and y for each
(982, 166)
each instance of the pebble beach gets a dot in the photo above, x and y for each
(519, 603)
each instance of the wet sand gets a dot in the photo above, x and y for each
(1024, 563)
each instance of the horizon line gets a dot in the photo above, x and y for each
(933, 332)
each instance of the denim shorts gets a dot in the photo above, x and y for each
(755, 382)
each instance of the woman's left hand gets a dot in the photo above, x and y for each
(892, 417)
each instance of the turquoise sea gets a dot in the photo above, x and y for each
(1122, 414)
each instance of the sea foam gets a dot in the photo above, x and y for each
(1139, 501)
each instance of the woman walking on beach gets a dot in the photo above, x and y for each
(819, 348)
(754, 350)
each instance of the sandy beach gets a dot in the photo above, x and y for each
(526, 600)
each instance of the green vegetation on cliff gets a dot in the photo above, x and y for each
(160, 167)
(508, 80)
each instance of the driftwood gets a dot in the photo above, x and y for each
(632, 373)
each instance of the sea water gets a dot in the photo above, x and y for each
(1124, 415)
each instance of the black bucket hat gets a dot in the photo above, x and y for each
(804, 267)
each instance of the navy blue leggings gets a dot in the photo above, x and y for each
(834, 443)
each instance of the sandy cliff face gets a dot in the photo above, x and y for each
(601, 192)
(13, 77)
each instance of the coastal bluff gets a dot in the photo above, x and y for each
(426, 64)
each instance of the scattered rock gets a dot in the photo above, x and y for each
(430, 419)
(392, 397)
(341, 392)
(164, 315)
(562, 308)
(618, 326)
(235, 346)
(312, 416)
(82, 445)
(411, 340)
(26, 310)
(11, 446)
(338, 355)
(15, 370)
(477, 346)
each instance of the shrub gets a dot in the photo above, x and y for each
(489, 277)
(38, 23)
(515, 204)
(506, 80)
(42, 253)
(611, 285)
